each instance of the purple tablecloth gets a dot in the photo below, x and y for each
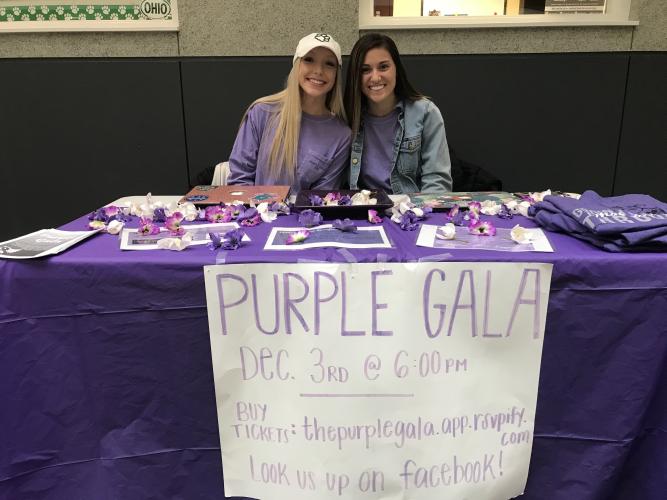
(106, 386)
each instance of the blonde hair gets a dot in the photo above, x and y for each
(286, 120)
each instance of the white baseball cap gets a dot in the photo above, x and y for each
(309, 42)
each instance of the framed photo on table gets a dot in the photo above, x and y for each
(18, 16)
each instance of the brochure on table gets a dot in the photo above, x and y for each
(327, 236)
(41, 243)
(131, 239)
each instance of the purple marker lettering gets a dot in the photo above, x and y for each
(534, 301)
(289, 301)
(427, 300)
(223, 305)
(472, 305)
(375, 306)
(318, 296)
(276, 307)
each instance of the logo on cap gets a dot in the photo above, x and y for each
(322, 37)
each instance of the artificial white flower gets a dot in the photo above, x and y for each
(521, 235)
(266, 214)
(189, 211)
(115, 227)
(177, 244)
(446, 232)
(539, 196)
(490, 207)
(363, 197)
(520, 208)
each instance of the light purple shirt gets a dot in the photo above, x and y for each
(323, 155)
(379, 138)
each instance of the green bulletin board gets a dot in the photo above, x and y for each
(90, 15)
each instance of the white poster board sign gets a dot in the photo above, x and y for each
(379, 380)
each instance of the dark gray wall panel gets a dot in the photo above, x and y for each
(216, 93)
(642, 157)
(76, 134)
(536, 121)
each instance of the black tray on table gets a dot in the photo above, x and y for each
(302, 202)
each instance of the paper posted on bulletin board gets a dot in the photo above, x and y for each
(89, 15)
(377, 381)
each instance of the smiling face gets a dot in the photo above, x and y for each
(317, 72)
(378, 78)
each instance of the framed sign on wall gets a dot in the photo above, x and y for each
(88, 15)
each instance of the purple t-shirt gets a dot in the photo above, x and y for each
(376, 159)
(323, 155)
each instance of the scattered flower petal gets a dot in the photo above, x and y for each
(96, 225)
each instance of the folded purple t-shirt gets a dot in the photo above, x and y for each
(617, 223)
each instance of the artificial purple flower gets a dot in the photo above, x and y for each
(280, 208)
(310, 218)
(216, 240)
(474, 207)
(111, 211)
(332, 198)
(455, 216)
(409, 220)
(146, 227)
(345, 201)
(99, 215)
(252, 221)
(505, 213)
(345, 225)
(528, 198)
(315, 201)
(218, 213)
(231, 240)
(247, 214)
(159, 215)
(482, 228)
(373, 217)
(298, 236)
(173, 224)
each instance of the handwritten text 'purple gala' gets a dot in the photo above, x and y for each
(290, 296)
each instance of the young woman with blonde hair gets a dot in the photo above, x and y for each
(399, 136)
(297, 137)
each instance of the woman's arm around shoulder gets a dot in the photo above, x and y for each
(243, 158)
(436, 167)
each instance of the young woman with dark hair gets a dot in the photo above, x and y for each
(399, 142)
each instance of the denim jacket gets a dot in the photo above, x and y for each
(420, 160)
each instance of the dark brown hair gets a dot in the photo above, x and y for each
(354, 99)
